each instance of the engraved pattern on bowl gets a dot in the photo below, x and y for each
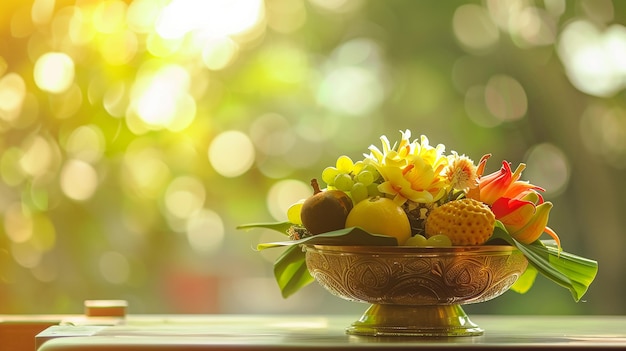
(415, 275)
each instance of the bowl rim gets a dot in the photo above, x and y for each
(412, 250)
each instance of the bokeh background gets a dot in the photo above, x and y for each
(136, 135)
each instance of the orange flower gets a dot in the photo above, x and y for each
(524, 220)
(503, 183)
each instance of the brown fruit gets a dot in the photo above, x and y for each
(325, 211)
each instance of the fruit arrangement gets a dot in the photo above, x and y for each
(413, 194)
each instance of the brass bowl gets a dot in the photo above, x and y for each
(415, 291)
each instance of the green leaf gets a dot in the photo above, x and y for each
(291, 272)
(290, 268)
(347, 236)
(570, 271)
(525, 281)
(282, 227)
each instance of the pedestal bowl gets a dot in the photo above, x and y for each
(415, 291)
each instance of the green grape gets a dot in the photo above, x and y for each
(329, 174)
(439, 240)
(372, 190)
(358, 167)
(372, 169)
(358, 192)
(365, 177)
(343, 182)
(345, 164)
(416, 240)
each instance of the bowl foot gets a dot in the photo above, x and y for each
(401, 320)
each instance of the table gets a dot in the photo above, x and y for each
(286, 332)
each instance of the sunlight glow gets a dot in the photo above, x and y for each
(285, 193)
(594, 58)
(160, 98)
(12, 95)
(231, 153)
(205, 231)
(217, 18)
(54, 72)
(79, 180)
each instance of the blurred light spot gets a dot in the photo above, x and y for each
(231, 153)
(12, 95)
(86, 143)
(18, 223)
(216, 18)
(535, 27)
(555, 8)
(285, 193)
(594, 60)
(603, 132)
(119, 48)
(25, 254)
(272, 134)
(37, 158)
(474, 28)
(505, 98)
(11, 173)
(338, 6)
(353, 91)
(184, 196)
(54, 72)
(42, 11)
(548, 165)
(144, 171)
(79, 180)
(110, 16)
(162, 47)
(205, 231)
(141, 15)
(219, 53)
(115, 100)
(114, 267)
(160, 97)
(285, 16)
(80, 30)
(476, 107)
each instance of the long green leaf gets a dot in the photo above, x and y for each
(347, 236)
(282, 227)
(291, 272)
(525, 281)
(290, 268)
(570, 271)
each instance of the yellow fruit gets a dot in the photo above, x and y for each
(380, 215)
(465, 222)
(293, 213)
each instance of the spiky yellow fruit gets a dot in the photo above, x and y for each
(465, 222)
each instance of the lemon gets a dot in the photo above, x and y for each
(380, 215)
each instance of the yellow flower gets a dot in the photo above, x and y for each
(411, 170)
